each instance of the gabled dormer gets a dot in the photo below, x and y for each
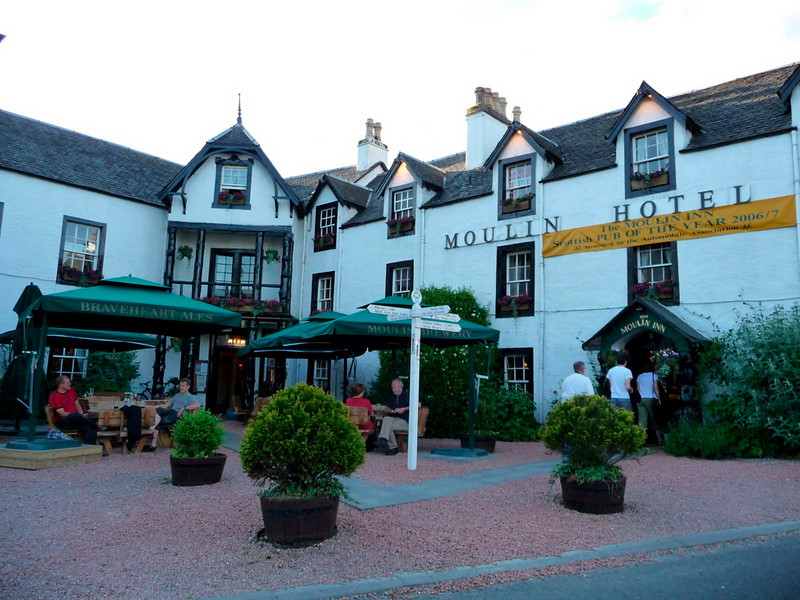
(234, 153)
(648, 141)
(517, 159)
(330, 195)
(406, 179)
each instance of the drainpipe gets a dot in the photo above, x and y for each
(796, 173)
(306, 230)
(538, 357)
(421, 250)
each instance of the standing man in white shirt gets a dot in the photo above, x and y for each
(577, 383)
(620, 379)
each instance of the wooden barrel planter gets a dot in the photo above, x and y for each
(298, 521)
(197, 471)
(595, 497)
(483, 442)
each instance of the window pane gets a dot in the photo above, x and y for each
(650, 151)
(654, 263)
(327, 221)
(518, 180)
(518, 273)
(223, 275)
(325, 293)
(403, 203)
(81, 246)
(234, 177)
(68, 361)
(401, 281)
(247, 275)
(516, 370)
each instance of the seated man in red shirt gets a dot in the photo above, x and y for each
(69, 414)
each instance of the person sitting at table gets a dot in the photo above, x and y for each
(68, 413)
(356, 398)
(167, 416)
(396, 418)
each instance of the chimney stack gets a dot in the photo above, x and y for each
(371, 149)
(486, 124)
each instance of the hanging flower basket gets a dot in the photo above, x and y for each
(270, 255)
(186, 252)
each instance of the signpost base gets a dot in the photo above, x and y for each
(460, 452)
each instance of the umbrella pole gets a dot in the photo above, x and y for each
(344, 380)
(473, 409)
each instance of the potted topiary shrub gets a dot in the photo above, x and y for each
(297, 446)
(195, 460)
(594, 436)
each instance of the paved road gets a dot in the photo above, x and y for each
(762, 569)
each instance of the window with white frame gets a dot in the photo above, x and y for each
(518, 368)
(518, 180)
(403, 203)
(518, 273)
(81, 247)
(650, 151)
(327, 220)
(321, 374)
(325, 293)
(654, 263)
(68, 361)
(234, 177)
(322, 290)
(400, 278)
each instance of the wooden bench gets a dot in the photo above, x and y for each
(51, 419)
(359, 416)
(401, 435)
(112, 425)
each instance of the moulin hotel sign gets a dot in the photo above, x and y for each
(705, 222)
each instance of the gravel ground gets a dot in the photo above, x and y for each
(117, 528)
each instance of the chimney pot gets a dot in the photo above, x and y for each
(496, 101)
(478, 96)
(517, 112)
(378, 128)
(487, 96)
(503, 103)
(369, 134)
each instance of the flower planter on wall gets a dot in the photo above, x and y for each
(519, 206)
(640, 184)
(324, 243)
(520, 306)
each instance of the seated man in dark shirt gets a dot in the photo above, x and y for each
(396, 418)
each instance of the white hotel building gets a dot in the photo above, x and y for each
(561, 219)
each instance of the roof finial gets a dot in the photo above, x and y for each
(239, 119)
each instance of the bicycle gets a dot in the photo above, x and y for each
(146, 393)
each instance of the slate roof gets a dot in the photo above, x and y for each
(454, 162)
(730, 112)
(463, 185)
(304, 185)
(49, 152)
(346, 192)
(431, 177)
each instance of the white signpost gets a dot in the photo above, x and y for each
(443, 321)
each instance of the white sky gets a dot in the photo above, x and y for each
(163, 77)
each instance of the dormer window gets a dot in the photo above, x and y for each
(325, 228)
(516, 186)
(650, 159)
(401, 218)
(232, 188)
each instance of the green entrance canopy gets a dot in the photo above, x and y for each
(133, 304)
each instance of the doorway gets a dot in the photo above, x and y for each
(226, 381)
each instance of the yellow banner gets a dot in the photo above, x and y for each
(735, 218)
